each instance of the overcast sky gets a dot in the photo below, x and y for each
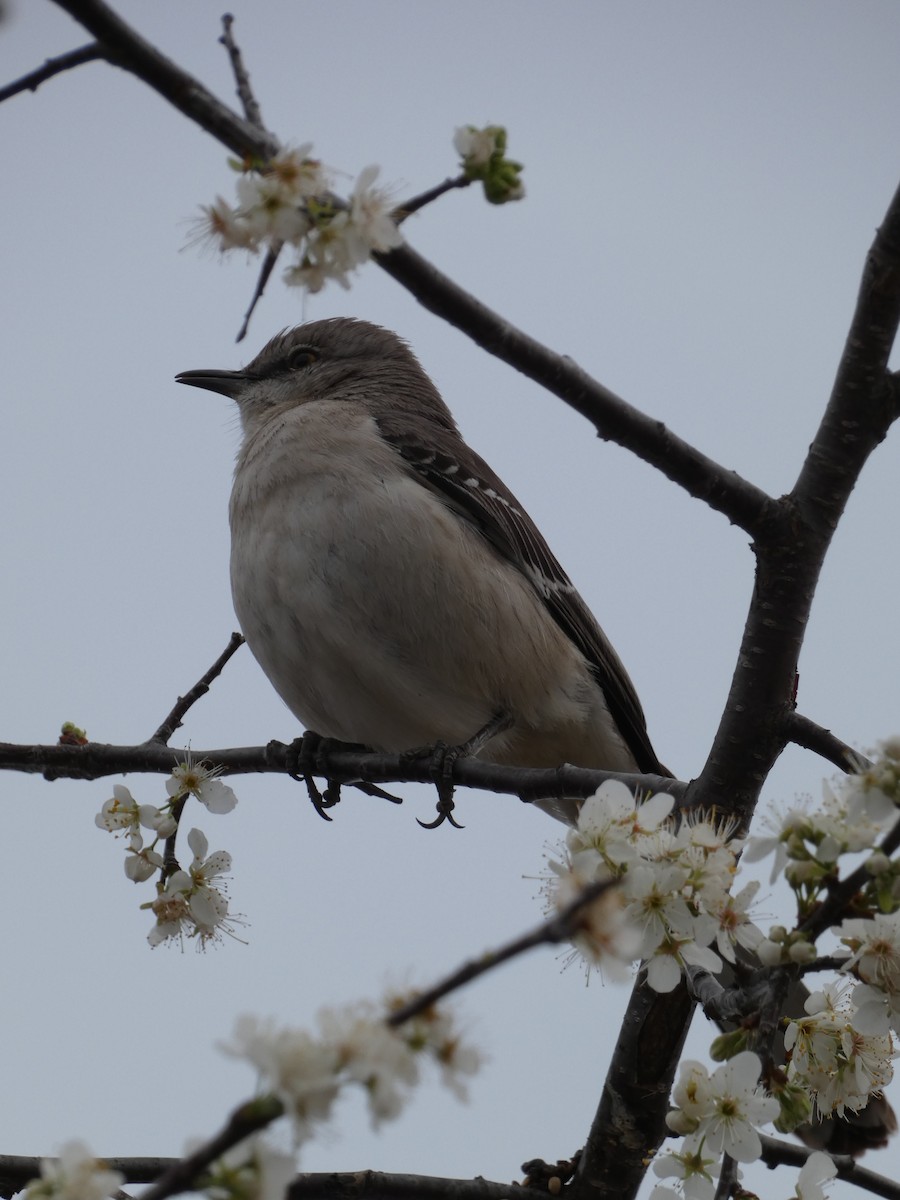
(703, 181)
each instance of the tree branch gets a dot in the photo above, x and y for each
(252, 111)
(614, 419)
(200, 688)
(552, 932)
(806, 733)
(95, 760)
(124, 47)
(53, 66)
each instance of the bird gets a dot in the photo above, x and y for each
(398, 595)
(390, 585)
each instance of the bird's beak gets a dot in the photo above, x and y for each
(226, 383)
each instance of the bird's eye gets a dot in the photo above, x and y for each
(301, 357)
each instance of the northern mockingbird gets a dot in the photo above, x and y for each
(397, 594)
(390, 585)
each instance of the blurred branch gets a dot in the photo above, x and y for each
(53, 66)
(557, 929)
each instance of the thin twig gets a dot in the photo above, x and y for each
(265, 271)
(549, 933)
(200, 688)
(408, 207)
(806, 733)
(53, 66)
(252, 111)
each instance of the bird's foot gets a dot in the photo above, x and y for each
(307, 756)
(443, 759)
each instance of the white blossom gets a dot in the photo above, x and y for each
(75, 1175)
(723, 1109)
(194, 779)
(817, 1169)
(121, 813)
(875, 946)
(302, 1071)
(695, 1171)
(189, 904)
(839, 1065)
(252, 1170)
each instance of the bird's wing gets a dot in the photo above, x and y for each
(443, 462)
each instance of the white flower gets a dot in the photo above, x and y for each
(370, 214)
(787, 831)
(838, 1064)
(121, 812)
(371, 1053)
(739, 1104)
(196, 780)
(721, 1110)
(605, 935)
(159, 820)
(435, 1032)
(299, 1069)
(696, 1173)
(656, 904)
(142, 862)
(876, 1011)
(475, 146)
(190, 905)
(252, 1170)
(75, 1175)
(875, 943)
(222, 225)
(735, 928)
(817, 1169)
(613, 825)
(691, 1095)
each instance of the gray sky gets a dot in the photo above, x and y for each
(703, 182)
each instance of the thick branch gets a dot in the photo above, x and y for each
(97, 760)
(375, 1185)
(614, 419)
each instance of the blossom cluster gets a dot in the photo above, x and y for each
(673, 902)
(838, 1066)
(188, 903)
(289, 201)
(856, 810)
(354, 1045)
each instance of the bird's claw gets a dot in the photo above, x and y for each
(442, 759)
(307, 756)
